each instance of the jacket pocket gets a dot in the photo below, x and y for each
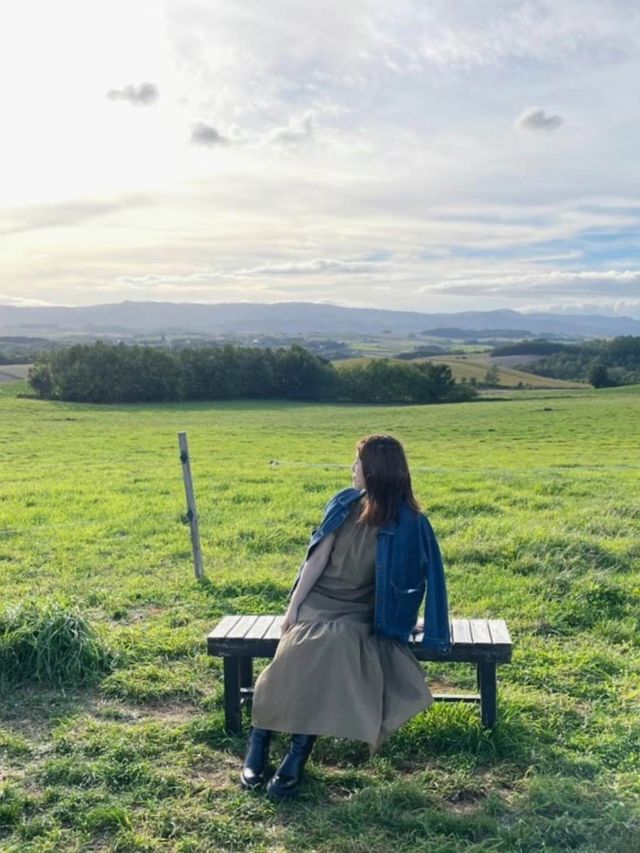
(402, 590)
(408, 576)
(404, 607)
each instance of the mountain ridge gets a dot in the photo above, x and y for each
(291, 318)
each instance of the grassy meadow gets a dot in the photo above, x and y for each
(119, 745)
(474, 366)
(13, 372)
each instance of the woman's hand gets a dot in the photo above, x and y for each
(290, 618)
(309, 574)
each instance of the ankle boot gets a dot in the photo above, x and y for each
(252, 775)
(288, 776)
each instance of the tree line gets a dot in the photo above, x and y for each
(601, 362)
(537, 346)
(119, 373)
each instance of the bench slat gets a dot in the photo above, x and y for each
(480, 632)
(274, 631)
(259, 628)
(224, 626)
(240, 630)
(499, 632)
(461, 631)
(254, 635)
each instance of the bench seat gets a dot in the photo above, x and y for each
(239, 638)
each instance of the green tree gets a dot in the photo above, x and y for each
(492, 376)
(599, 376)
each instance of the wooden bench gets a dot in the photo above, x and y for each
(239, 639)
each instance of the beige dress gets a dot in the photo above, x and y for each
(332, 675)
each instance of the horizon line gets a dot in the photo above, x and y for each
(522, 313)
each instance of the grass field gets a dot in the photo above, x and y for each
(389, 345)
(536, 502)
(13, 372)
(476, 365)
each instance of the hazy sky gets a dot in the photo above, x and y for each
(439, 155)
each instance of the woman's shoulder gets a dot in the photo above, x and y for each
(408, 517)
(344, 497)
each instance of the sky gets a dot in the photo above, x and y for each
(439, 155)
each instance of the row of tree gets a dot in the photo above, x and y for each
(20, 349)
(535, 346)
(600, 362)
(118, 373)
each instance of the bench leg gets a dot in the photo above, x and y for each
(246, 672)
(232, 715)
(487, 683)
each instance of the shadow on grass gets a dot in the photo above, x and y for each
(33, 712)
(443, 730)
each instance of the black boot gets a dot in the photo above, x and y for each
(252, 775)
(288, 776)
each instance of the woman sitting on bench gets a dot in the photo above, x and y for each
(342, 667)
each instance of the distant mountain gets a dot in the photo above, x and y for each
(293, 318)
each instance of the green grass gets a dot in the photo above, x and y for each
(535, 500)
(44, 642)
(475, 366)
(12, 372)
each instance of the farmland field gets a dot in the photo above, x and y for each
(474, 366)
(13, 372)
(536, 502)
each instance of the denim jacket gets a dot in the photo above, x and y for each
(409, 571)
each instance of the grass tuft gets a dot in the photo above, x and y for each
(12, 805)
(47, 643)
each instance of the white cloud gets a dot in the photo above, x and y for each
(302, 268)
(73, 212)
(619, 307)
(20, 302)
(298, 129)
(620, 283)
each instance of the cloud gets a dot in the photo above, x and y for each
(143, 95)
(57, 215)
(535, 119)
(605, 283)
(299, 129)
(205, 134)
(468, 35)
(618, 307)
(317, 266)
(20, 302)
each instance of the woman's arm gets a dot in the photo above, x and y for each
(311, 571)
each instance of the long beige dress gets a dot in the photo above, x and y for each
(332, 675)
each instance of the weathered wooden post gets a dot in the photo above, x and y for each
(192, 514)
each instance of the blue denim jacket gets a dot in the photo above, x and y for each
(409, 571)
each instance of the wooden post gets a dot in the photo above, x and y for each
(192, 514)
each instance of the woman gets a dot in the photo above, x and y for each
(343, 667)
